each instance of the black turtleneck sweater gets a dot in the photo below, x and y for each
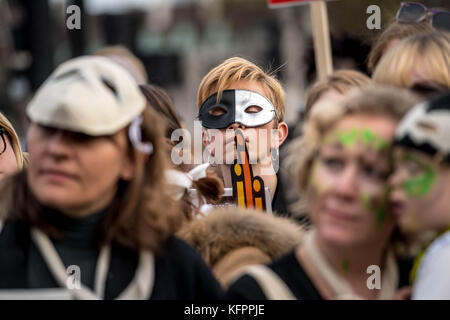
(79, 246)
(180, 272)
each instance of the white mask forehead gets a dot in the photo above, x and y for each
(245, 99)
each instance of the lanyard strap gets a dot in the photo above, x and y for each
(139, 288)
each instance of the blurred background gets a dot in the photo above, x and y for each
(179, 41)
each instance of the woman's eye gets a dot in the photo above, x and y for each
(373, 172)
(48, 131)
(81, 138)
(333, 163)
(253, 109)
(217, 111)
(414, 168)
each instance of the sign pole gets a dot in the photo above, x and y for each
(321, 36)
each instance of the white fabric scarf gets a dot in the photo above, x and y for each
(341, 288)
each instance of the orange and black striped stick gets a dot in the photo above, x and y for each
(247, 190)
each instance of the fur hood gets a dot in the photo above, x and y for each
(228, 229)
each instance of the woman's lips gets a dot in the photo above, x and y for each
(58, 175)
(397, 207)
(339, 214)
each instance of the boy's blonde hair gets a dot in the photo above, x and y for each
(430, 52)
(235, 69)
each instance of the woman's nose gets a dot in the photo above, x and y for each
(347, 184)
(57, 145)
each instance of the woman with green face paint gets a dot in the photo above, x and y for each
(344, 160)
(421, 192)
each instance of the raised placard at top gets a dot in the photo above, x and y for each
(286, 3)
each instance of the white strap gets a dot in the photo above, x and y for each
(139, 288)
(56, 266)
(101, 271)
(142, 285)
(270, 283)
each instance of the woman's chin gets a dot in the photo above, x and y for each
(338, 236)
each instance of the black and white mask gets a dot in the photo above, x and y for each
(426, 127)
(236, 106)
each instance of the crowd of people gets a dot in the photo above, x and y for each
(361, 183)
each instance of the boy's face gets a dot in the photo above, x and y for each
(420, 192)
(260, 140)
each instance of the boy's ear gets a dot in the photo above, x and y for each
(282, 131)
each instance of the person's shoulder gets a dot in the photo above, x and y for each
(177, 249)
(432, 279)
(245, 287)
(287, 268)
(180, 264)
(291, 271)
(13, 230)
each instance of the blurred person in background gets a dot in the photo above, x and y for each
(420, 63)
(11, 156)
(195, 186)
(332, 89)
(94, 196)
(343, 164)
(421, 192)
(412, 18)
(124, 57)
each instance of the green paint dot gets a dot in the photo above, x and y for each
(381, 215)
(365, 199)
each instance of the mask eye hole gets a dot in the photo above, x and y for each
(426, 126)
(217, 111)
(253, 109)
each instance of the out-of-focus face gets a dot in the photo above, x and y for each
(259, 139)
(348, 191)
(8, 161)
(420, 192)
(75, 173)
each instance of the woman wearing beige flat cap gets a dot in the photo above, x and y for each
(90, 218)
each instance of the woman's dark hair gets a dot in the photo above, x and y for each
(159, 100)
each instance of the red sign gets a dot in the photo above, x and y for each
(285, 3)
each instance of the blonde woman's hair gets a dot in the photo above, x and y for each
(395, 31)
(428, 52)
(13, 140)
(235, 69)
(373, 100)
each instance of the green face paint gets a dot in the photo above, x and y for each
(379, 210)
(421, 185)
(346, 266)
(364, 136)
